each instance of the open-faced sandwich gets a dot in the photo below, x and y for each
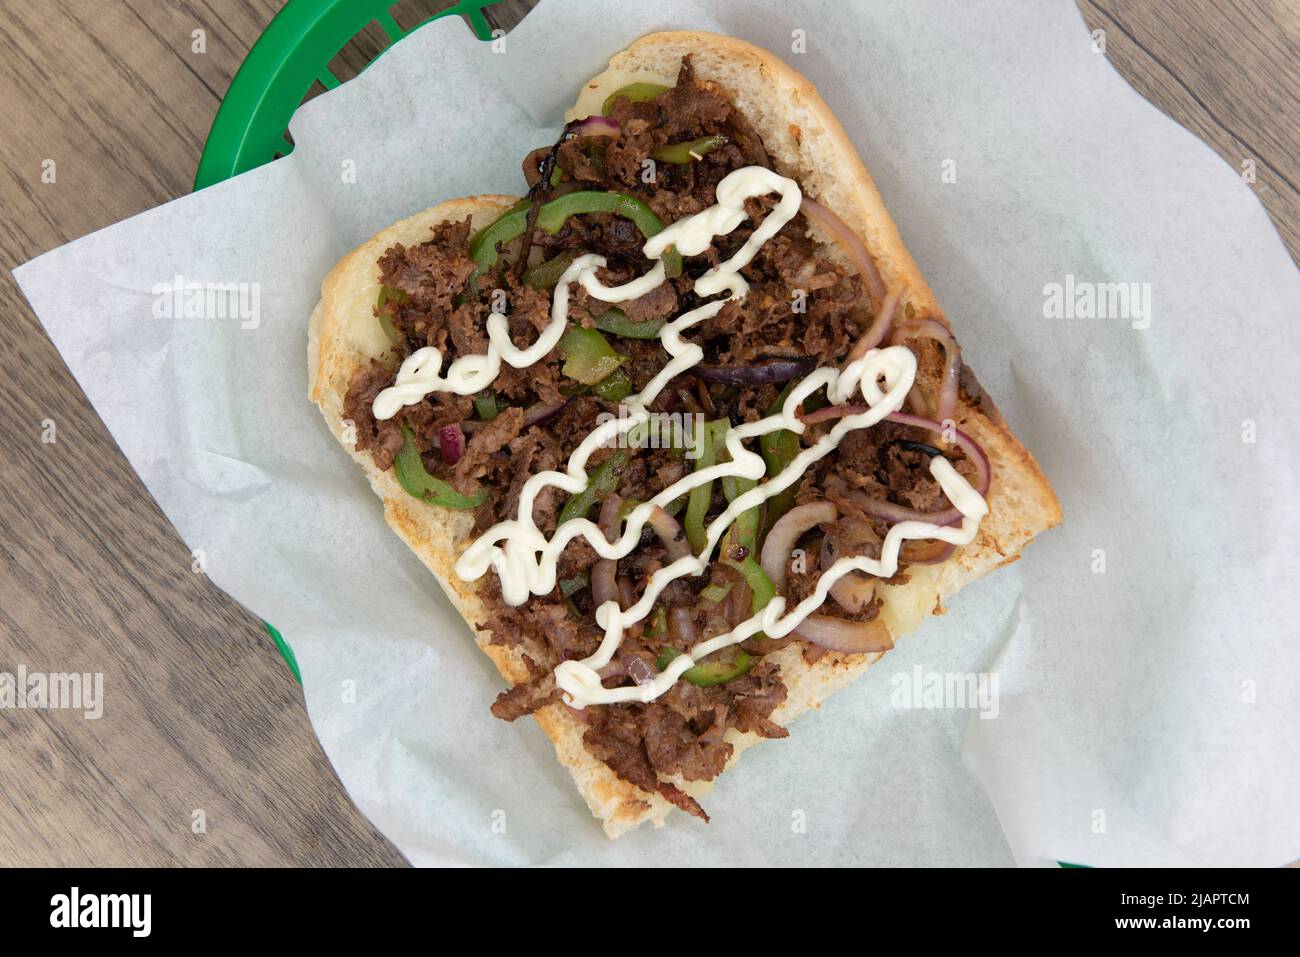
(682, 432)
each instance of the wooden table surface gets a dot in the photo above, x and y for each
(201, 714)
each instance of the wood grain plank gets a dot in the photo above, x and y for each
(1229, 71)
(200, 713)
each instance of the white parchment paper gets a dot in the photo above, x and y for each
(1146, 653)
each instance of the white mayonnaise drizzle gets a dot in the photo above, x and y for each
(525, 560)
(418, 375)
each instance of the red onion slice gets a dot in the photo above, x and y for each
(639, 671)
(880, 325)
(670, 532)
(604, 574)
(762, 373)
(681, 624)
(975, 451)
(950, 380)
(626, 594)
(617, 668)
(933, 552)
(596, 126)
(740, 603)
(625, 664)
(835, 634)
(785, 533)
(854, 248)
(855, 590)
(539, 412)
(893, 513)
(846, 637)
(451, 443)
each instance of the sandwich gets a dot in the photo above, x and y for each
(681, 430)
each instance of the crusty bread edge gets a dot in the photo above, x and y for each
(343, 335)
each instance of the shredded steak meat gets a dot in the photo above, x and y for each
(802, 303)
(525, 698)
(383, 440)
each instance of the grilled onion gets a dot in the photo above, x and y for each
(781, 539)
(891, 512)
(596, 126)
(852, 245)
(451, 443)
(855, 590)
(933, 552)
(931, 329)
(670, 532)
(835, 634)
(681, 625)
(761, 373)
(846, 637)
(604, 574)
(880, 325)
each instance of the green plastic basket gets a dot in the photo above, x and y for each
(290, 57)
(292, 54)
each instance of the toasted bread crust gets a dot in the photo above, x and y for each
(807, 142)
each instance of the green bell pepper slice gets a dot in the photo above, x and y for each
(697, 504)
(486, 406)
(680, 154)
(745, 527)
(418, 482)
(760, 585)
(551, 218)
(388, 294)
(744, 530)
(708, 673)
(615, 387)
(616, 323)
(599, 484)
(570, 586)
(779, 450)
(717, 593)
(657, 625)
(636, 92)
(545, 275)
(744, 534)
(590, 357)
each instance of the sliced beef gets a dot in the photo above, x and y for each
(756, 696)
(531, 452)
(488, 441)
(659, 303)
(683, 733)
(383, 440)
(880, 462)
(432, 276)
(614, 736)
(525, 698)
